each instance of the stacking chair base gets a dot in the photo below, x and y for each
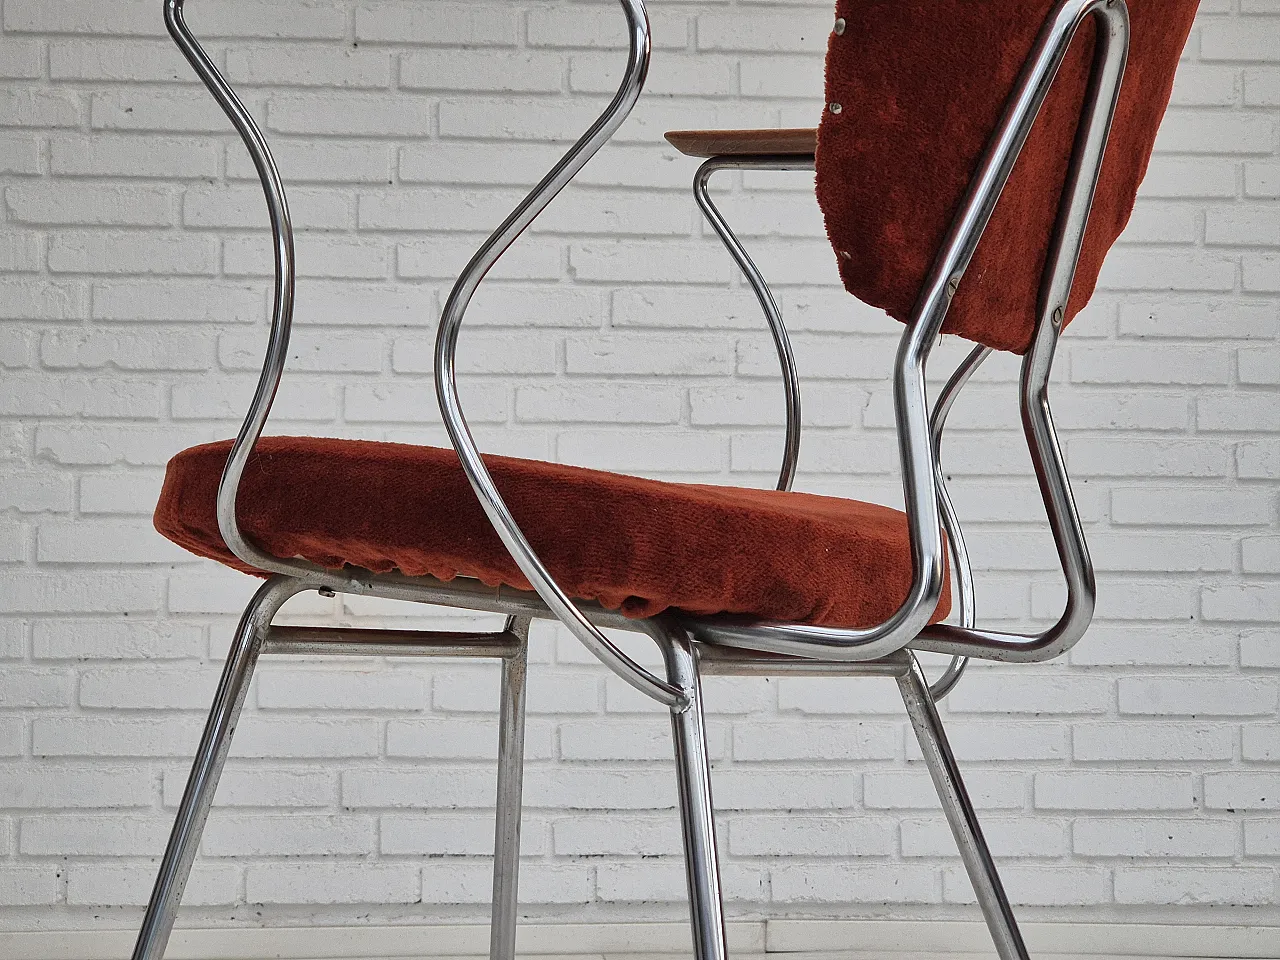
(686, 662)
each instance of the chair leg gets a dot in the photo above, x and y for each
(184, 840)
(506, 844)
(960, 814)
(693, 779)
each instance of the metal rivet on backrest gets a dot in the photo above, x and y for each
(839, 26)
(835, 108)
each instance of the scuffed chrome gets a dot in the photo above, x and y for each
(773, 315)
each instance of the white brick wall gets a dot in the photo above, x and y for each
(1143, 773)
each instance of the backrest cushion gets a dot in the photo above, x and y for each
(921, 86)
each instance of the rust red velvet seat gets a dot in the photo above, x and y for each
(632, 544)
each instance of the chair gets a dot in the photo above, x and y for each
(832, 587)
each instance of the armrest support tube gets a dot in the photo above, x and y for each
(950, 519)
(773, 315)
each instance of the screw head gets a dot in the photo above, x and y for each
(839, 27)
(835, 108)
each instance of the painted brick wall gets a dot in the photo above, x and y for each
(1140, 774)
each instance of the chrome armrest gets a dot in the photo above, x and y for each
(772, 315)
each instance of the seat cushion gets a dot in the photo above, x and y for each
(639, 546)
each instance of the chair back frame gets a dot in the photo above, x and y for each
(927, 505)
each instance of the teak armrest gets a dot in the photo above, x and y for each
(725, 143)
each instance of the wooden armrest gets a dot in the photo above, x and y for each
(732, 143)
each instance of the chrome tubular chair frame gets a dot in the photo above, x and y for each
(791, 379)
(690, 647)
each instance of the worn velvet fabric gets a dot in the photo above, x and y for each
(637, 545)
(921, 86)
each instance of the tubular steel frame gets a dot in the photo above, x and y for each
(691, 647)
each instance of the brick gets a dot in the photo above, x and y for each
(1114, 791)
(39, 108)
(1247, 887)
(462, 835)
(608, 403)
(54, 786)
(1168, 696)
(390, 788)
(122, 155)
(93, 884)
(1035, 885)
(345, 690)
(135, 253)
(90, 836)
(81, 639)
(29, 886)
(270, 66)
(811, 837)
(1144, 838)
(815, 741)
(350, 114)
(119, 61)
(83, 592)
(254, 835)
(495, 71)
(1152, 741)
(34, 492)
(914, 790)
(96, 205)
(846, 883)
(1250, 603)
(1021, 837)
(257, 786)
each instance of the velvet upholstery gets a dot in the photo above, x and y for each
(921, 85)
(636, 545)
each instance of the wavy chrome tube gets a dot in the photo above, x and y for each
(446, 381)
(918, 469)
(782, 342)
(281, 312)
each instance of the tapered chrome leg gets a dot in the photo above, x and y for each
(212, 754)
(960, 814)
(506, 844)
(693, 779)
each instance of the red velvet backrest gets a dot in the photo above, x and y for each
(921, 85)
